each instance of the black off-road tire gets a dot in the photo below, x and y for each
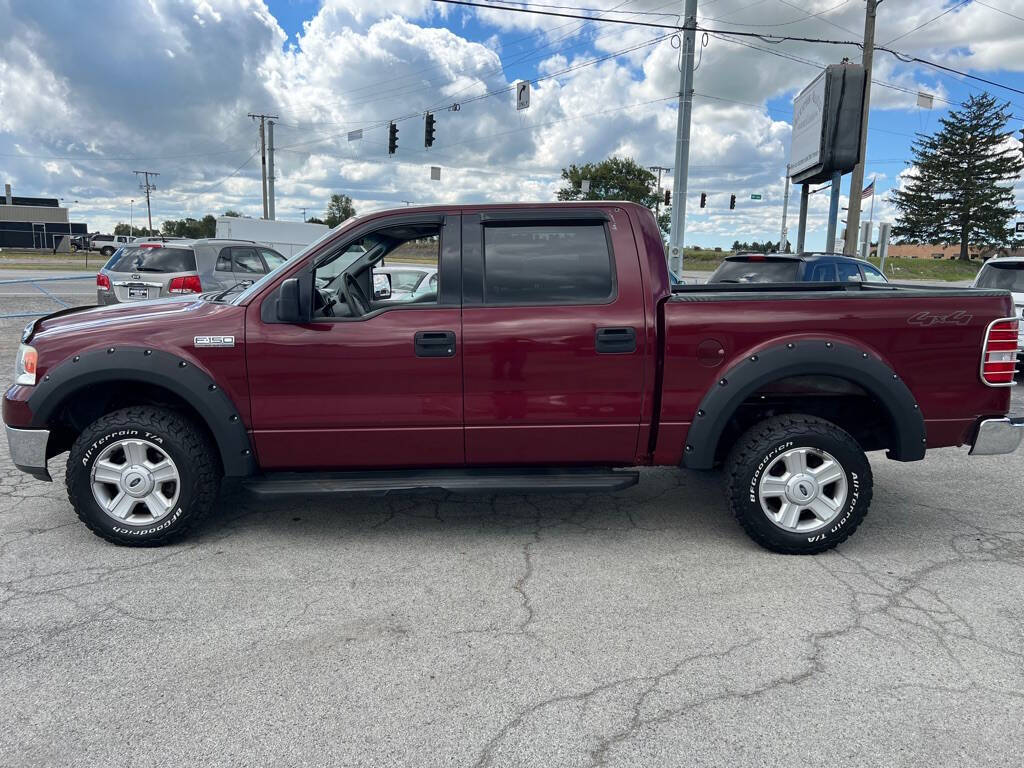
(752, 456)
(108, 251)
(191, 450)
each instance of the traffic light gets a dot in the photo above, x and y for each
(428, 131)
(703, 199)
(668, 197)
(732, 201)
(392, 138)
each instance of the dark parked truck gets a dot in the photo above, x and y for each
(553, 355)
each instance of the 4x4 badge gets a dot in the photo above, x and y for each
(214, 341)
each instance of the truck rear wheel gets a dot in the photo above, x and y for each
(142, 476)
(798, 484)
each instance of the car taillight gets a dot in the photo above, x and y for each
(189, 284)
(999, 354)
(102, 282)
(152, 245)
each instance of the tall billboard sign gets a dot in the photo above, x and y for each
(826, 124)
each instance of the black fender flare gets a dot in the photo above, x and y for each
(150, 366)
(799, 358)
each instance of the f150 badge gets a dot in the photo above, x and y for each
(214, 341)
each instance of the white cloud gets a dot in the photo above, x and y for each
(81, 118)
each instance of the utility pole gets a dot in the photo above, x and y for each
(785, 210)
(658, 169)
(303, 213)
(147, 188)
(857, 179)
(270, 167)
(675, 259)
(263, 156)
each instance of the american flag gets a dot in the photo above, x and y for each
(869, 190)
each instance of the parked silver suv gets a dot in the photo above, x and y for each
(157, 270)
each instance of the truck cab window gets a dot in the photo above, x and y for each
(389, 268)
(547, 264)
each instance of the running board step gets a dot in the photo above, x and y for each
(452, 480)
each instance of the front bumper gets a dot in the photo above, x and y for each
(998, 436)
(28, 450)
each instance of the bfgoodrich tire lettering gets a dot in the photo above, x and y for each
(767, 447)
(166, 433)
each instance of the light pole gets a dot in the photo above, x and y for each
(131, 217)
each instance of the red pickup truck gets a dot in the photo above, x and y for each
(553, 355)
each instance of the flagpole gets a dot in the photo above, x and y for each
(871, 215)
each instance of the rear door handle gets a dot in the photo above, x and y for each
(435, 343)
(616, 341)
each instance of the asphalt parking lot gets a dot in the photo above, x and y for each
(637, 629)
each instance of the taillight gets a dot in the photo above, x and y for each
(102, 282)
(152, 245)
(189, 284)
(999, 354)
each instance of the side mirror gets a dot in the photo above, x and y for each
(381, 285)
(290, 307)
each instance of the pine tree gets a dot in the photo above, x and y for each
(961, 188)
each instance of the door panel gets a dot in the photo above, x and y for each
(355, 393)
(537, 391)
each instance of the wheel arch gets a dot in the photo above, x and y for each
(143, 372)
(806, 357)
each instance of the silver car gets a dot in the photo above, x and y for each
(155, 270)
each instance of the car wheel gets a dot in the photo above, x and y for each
(142, 476)
(798, 484)
(108, 251)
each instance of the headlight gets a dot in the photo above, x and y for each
(25, 365)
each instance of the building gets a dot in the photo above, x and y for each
(35, 222)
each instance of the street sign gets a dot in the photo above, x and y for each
(435, 173)
(756, 196)
(355, 135)
(522, 94)
(585, 186)
(1020, 227)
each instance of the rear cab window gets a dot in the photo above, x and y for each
(1008, 276)
(153, 260)
(547, 264)
(757, 271)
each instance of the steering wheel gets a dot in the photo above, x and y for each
(354, 296)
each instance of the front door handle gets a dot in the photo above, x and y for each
(616, 341)
(435, 343)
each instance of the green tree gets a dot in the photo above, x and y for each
(315, 220)
(189, 227)
(961, 188)
(339, 208)
(617, 178)
(233, 214)
(125, 229)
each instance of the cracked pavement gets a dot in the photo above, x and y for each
(636, 629)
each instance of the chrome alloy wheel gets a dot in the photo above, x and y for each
(135, 482)
(802, 490)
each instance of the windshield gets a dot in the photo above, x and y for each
(405, 279)
(1008, 276)
(256, 287)
(737, 271)
(153, 260)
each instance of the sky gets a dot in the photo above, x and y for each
(91, 91)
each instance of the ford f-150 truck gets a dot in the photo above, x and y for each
(553, 355)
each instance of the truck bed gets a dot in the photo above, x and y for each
(926, 336)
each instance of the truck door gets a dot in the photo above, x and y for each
(379, 390)
(553, 341)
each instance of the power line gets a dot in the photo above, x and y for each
(1000, 10)
(925, 24)
(905, 58)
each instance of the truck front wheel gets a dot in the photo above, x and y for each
(142, 476)
(798, 484)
